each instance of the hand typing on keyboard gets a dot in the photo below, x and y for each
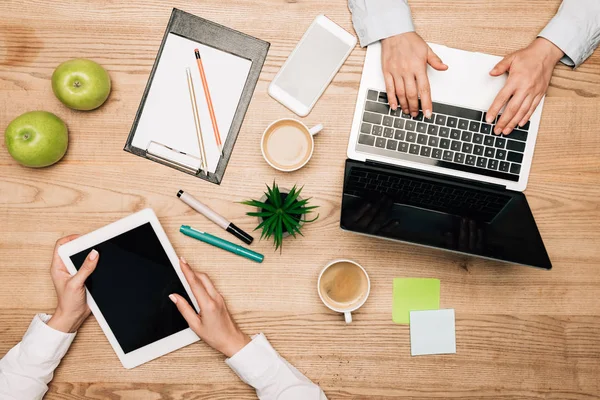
(404, 58)
(529, 72)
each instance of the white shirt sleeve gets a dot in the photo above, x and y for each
(379, 19)
(575, 29)
(260, 366)
(28, 367)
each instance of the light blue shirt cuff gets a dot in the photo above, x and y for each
(373, 23)
(565, 36)
(575, 29)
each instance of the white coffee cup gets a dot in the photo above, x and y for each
(363, 289)
(287, 144)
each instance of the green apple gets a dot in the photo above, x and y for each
(37, 138)
(81, 84)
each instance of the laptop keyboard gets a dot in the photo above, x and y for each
(454, 137)
(402, 189)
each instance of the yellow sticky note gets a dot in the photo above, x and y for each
(414, 294)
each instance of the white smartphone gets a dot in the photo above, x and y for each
(312, 65)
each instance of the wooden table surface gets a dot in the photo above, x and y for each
(521, 333)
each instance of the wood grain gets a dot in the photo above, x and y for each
(521, 333)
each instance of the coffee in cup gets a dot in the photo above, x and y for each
(344, 287)
(287, 144)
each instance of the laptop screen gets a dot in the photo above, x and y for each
(410, 206)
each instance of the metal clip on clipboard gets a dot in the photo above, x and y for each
(174, 158)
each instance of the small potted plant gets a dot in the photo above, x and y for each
(281, 213)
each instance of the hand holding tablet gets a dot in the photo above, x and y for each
(72, 308)
(130, 271)
(128, 292)
(214, 324)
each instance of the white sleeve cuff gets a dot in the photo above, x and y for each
(257, 360)
(45, 343)
(381, 22)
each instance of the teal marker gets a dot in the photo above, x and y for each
(221, 243)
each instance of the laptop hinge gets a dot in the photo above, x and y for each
(435, 175)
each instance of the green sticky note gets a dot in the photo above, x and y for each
(414, 294)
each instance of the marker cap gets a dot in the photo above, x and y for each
(240, 234)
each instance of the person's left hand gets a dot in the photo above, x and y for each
(529, 72)
(72, 308)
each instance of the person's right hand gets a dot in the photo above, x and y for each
(404, 59)
(213, 324)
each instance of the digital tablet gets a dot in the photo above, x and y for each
(128, 292)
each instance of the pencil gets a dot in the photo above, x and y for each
(211, 109)
(196, 119)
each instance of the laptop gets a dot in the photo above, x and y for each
(446, 182)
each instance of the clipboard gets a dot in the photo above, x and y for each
(163, 129)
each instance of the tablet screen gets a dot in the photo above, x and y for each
(131, 286)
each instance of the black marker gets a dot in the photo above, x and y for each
(214, 217)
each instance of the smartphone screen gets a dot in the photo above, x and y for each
(312, 65)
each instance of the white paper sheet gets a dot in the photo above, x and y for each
(432, 332)
(167, 117)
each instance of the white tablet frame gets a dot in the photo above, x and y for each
(152, 350)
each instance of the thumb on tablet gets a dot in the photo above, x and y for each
(88, 266)
(187, 311)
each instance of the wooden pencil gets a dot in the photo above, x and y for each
(211, 109)
(196, 119)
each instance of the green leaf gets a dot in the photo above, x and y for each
(292, 219)
(298, 230)
(295, 224)
(299, 203)
(291, 229)
(271, 225)
(291, 198)
(291, 225)
(260, 214)
(276, 200)
(263, 223)
(268, 229)
(258, 204)
(312, 220)
(254, 203)
(289, 194)
(270, 195)
(277, 234)
(299, 211)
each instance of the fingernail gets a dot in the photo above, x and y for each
(93, 255)
(405, 111)
(506, 131)
(497, 131)
(183, 260)
(489, 119)
(173, 298)
(414, 114)
(393, 106)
